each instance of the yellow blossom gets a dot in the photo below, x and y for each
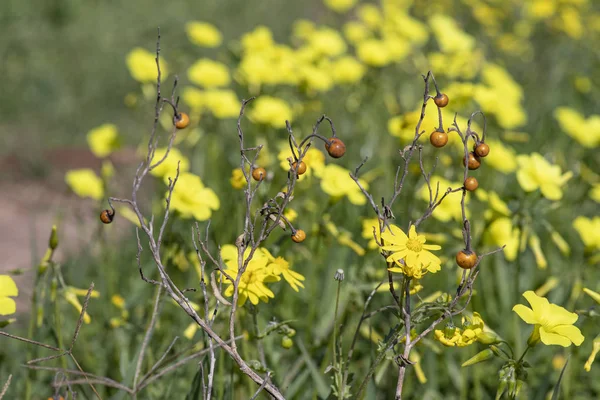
(536, 173)
(589, 231)
(340, 6)
(595, 193)
(142, 65)
(410, 253)
(315, 78)
(502, 232)
(271, 111)
(336, 182)
(290, 214)
(314, 160)
(259, 39)
(553, 325)
(222, 103)
(536, 247)
(85, 183)
(367, 231)
(192, 199)
(450, 207)
(118, 301)
(8, 289)
(595, 350)
(327, 42)
(370, 14)
(203, 34)
(238, 180)
(373, 52)
(501, 157)
(279, 266)
(209, 73)
(449, 36)
(72, 299)
(303, 28)
(356, 31)
(168, 168)
(190, 331)
(463, 65)
(253, 282)
(574, 124)
(103, 140)
(347, 69)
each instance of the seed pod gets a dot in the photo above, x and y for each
(438, 139)
(482, 149)
(441, 100)
(259, 174)
(335, 147)
(107, 216)
(182, 120)
(299, 236)
(466, 259)
(474, 161)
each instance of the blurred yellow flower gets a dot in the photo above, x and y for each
(535, 172)
(85, 183)
(71, 298)
(497, 205)
(410, 253)
(502, 232)
(574, 124)
(257, 40)
(142, 65)
(336, 182)
(595, 193)
(450, 37)
(356, 31)
(553, 325)
(347, 69)
(303, 28)
(397, 47)
(367, 231)
(192, 199)
(118, 301)
(450, 207)
(270, 111)
(370, 14)
(8, 289)
(238, 180)
(589, 231)
(222, 103)
(103, 140)
(203, 34)
(315, 78)
(459, 65)
(569, 20)
(340, 6)
(595, 350)
(168, 168)
(290, 214)
(373, 52)
(327, 41)
(209, 73)
(501, 157)
(314, 160)
(253, 282)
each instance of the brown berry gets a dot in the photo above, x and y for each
(438, 138)
(335, 147)
(474, 161)
(259, 174)
(466, 259)
(301, 168)
(471, 184)
(441, 100)
(482, 149)
(182, 120)
(107, 216)
(299, 236)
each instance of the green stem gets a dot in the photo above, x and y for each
(335, 339)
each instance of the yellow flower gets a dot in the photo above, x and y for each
(315, 78)
(589, 231)
(279, 266)
(370, 14)
(459, 65)
(410, 253)
(595, 193)
(367, 231)
(595, 350)
(192, 199)
(449, 337)
(222, 103)
(536, 173)
(238, 180)
(449, 36)
(103, 140)
(203, 34)
(271, 111)
(502, 232)
(574, 124)
(8, 289)
(553, 324)
(336, 182)
(71, 298)
(347, 69)
(327, 42)
(356, 32)
(373, 52)
(252, 284)
(208, 73)
(142, 65)
(168, 168)
(592, 294)
(303, 28)
(450, 207)
(85, 183)
(340, 6)
(501, 157)
(290, 214)
(259, 39)
(314, 160)
(118, 301)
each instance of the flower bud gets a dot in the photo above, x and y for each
(53, 242)
(488, 338)
(479, 357)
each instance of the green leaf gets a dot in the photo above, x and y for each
(556, 390)
(321, 385)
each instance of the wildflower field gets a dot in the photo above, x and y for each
(329, 199)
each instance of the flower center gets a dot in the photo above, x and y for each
(414, 245)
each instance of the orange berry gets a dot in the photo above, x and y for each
(482, 149)
(466, 259)
(438, 138)
(471, 184)
(182, 120)
(107, 216)
(259, 174)
(441, 100)
(336, 148)
(474, 161)
(299, 236)
(301, 168)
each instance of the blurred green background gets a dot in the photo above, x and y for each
(64, 72)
